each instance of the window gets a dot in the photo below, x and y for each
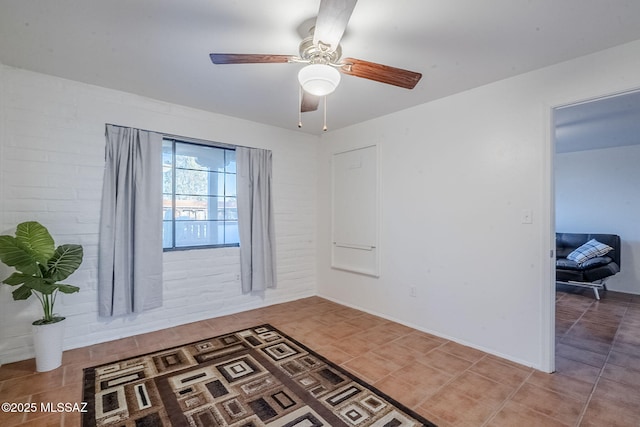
(199, 196)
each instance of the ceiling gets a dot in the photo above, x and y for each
(160, 48)
(613, 121)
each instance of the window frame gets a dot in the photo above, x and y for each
(202, 143)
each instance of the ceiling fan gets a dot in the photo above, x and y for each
(322, 52)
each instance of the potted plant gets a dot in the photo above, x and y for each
(39, 267)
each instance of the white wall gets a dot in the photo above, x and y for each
(51, 166)
(456, 175)
(598, 191)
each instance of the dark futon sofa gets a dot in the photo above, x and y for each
(581, 262)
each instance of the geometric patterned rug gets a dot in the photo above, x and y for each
(253, 377)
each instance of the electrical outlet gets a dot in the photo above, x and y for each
(413, 291)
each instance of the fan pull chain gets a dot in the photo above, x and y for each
(324, 127)
(299, 106)
(300, 95)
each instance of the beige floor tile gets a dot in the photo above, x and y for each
(562, 384)
(626, 348)
(426, 377)
(354, 346)
(419, 342)
(9, 419)
(446, 362)
(395, 356)
(581, 355)
(366, 321)
(341, 330)
(609, 413)
(17, 369)
(480, 388)
(586, 343)
(463, 352)
(577, 370)
(393, 329)
(514, 414)
(402, 391)
(334, 354)
(45, 420)
(501, 372)
(371, 366)
(631, 361)
(18, 388)
(613, 404)
(622, 375)
(457, 409)
(559, 406)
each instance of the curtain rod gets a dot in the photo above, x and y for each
(186, 138)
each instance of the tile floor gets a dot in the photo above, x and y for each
(597, 382)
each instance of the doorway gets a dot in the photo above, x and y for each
(596, 181)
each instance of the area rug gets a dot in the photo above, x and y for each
(253, 377)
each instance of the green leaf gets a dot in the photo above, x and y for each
(14, 255)
(35, 239)
(65, 260)
(39, 284)
(23, 292)
(67, 289)
(16, 279)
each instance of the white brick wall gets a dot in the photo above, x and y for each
(51, 166)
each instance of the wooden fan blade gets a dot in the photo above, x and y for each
(247, 58)
(333, 17)
(309, 102)
(380, 73)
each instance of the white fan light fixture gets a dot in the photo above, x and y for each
(322, 52)
(319, 79)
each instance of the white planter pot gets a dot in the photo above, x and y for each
(48, 344)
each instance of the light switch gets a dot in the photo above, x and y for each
(527, 216)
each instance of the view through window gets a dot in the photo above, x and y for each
(199, 196)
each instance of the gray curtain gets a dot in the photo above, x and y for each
(130, 247)
(255, 219)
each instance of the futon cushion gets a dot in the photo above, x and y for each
(591, 249)
(568, 264)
